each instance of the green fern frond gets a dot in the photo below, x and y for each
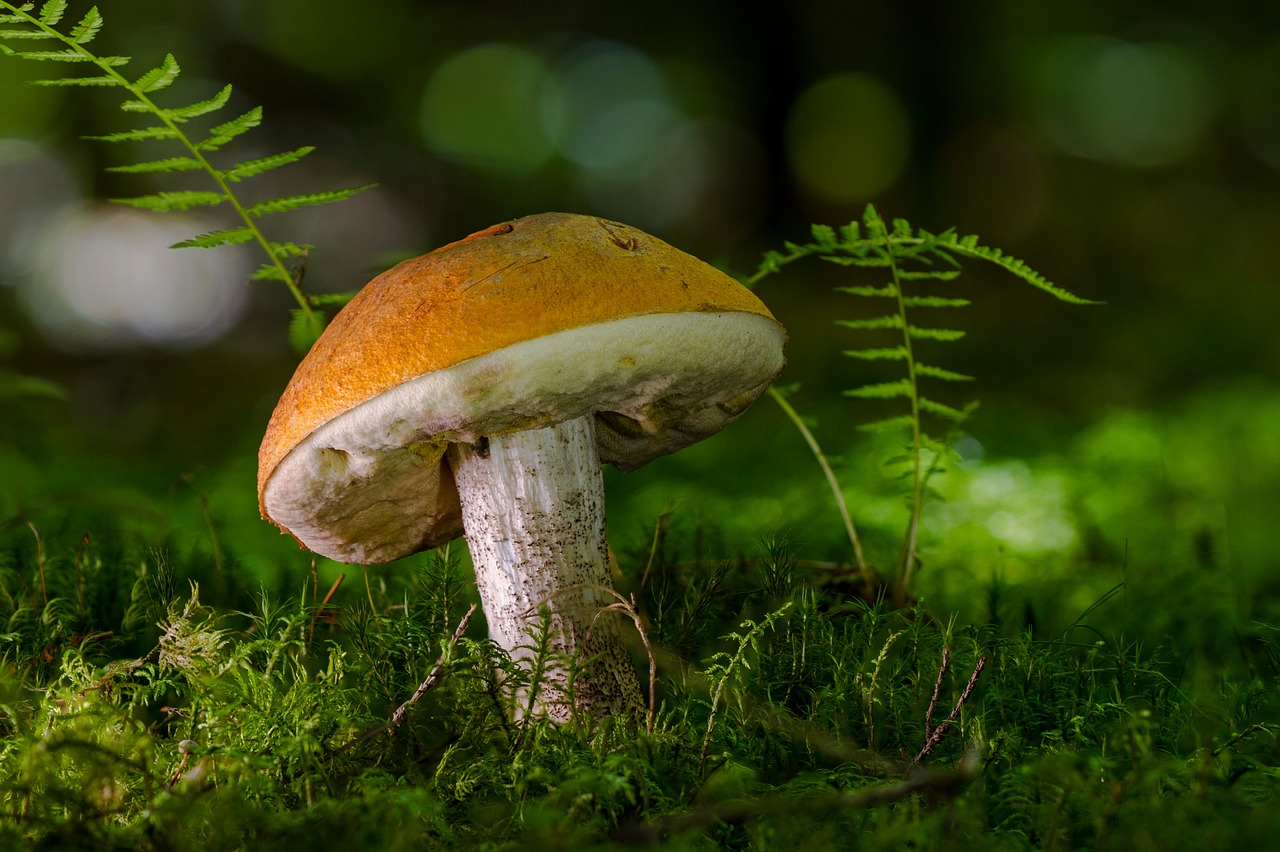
(159, 167)
(901, 389)
(304, 328)
(909, 259)
(51, 12)
(75, 81)
(894, 353)
(942, 410)
(213, 239)
(249, 168)
(142, 134)
(969, 247)
(293, 202)
(934, 302)
(85, 31)
(274, 272)
(22, 24)
(930, 275)
(888, 291)
(186, 113)
(901, 422)
(890, 321)
(160, 77)
(166, 201)
(940, 373)
(295, 250)
(70, 55)
(224, 133)
(916, 332)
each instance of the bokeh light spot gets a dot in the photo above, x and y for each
(616, 107)
(487, 107)
(1124, 103)
(104, 278)
(847, 138)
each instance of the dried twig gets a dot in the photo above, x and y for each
(631, 610)
(324, 603)
(937, 733)
(398, 717)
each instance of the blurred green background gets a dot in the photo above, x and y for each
(1131, 153)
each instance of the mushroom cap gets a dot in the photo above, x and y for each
(520, 326)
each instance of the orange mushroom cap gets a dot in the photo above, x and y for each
(519, 326)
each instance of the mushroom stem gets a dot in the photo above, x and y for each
(533, 511)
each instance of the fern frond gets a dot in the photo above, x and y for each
(213, 239)
(940, 373)
(249, 168)
(142, 134)
(895, 353)
(224, 133)
(334, 298)
(76, 81)
(941, 410)
(901, 389)
(186, 113)
(51, 12)
(863, 256)
(929, 275)
(165, 201)
(941, 334)
(159, 167)
(21, 34)
(69, 55)
(85, 31)
(292, 250)
(293, 202)
(304, 328)
(272, 272)
(160, 77)
(888, 291)
(969, 247)
(902, 422)
(890, 321)
(934, 302)
(824, 235)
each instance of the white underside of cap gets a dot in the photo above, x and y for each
(372, 485)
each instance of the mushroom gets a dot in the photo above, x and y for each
(477, 389)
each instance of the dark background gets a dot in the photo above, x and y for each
(1129, 152)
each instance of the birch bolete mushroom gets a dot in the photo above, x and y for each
(477, 389)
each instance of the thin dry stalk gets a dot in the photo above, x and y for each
(631, 610)
(328, 597)
(937, 733)
(397, 718)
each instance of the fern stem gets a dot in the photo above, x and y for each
(907, 559)
(834, 483)
(196, 153)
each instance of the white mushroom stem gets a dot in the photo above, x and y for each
(533, 511)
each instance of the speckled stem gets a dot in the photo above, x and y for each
(533, 510)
